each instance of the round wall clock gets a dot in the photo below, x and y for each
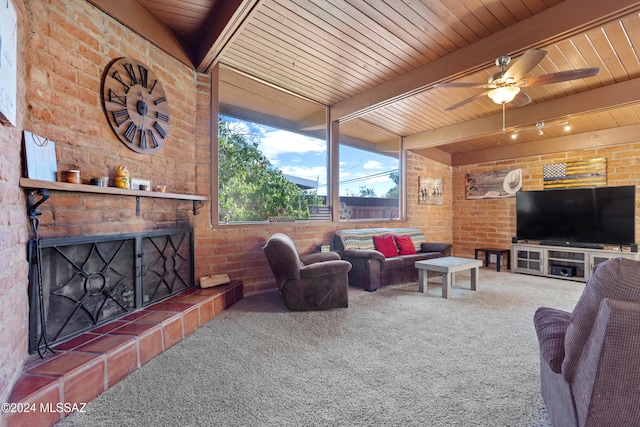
(136, 105)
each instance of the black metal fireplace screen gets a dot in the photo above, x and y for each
(76, 284)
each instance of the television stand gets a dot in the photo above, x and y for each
(561, 261)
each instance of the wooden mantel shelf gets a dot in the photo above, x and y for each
(35, 184)
(83, 188)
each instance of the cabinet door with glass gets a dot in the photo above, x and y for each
(596, 258)
(528, 260)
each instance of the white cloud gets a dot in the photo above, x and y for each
(276, 142)
(240, 128)
(312, 173)
(372, 164)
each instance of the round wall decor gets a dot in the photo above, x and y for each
(135, 105)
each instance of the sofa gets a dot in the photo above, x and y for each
(373, 268)
(317, 281)
(590, 358)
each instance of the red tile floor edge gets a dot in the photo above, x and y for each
(90, 363)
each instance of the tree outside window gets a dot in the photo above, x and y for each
(251, 188)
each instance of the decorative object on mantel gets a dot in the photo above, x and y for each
(581, 173)
(135, 105)
(72, 176)
(8, 62)
(212, 280)
(493, 185)
(122, 177)
(161, 188)
(140, 184)
(430, 191)
(39, 157)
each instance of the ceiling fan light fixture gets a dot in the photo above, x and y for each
(505, 94)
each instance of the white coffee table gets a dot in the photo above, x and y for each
(447, 266)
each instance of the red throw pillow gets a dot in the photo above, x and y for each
(385, 245)
(405, 245)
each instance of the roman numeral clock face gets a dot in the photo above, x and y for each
(136, 105)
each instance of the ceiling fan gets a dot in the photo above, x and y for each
(506, 85)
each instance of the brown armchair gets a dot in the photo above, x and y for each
(317, 281)
(590, 358)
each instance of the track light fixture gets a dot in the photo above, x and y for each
(540, 128)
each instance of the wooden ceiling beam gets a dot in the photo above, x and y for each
(577, 142)
(561, 21)
(600, 99)
(221, 28)
(435, 154)
(138, 19)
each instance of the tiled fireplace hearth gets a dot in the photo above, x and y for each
(90, 363)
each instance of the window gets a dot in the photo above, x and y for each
(273, 158)
(268, 174)
(369, 176)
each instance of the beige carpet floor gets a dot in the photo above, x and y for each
(395, 357)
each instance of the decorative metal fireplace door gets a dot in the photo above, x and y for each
(79, 283)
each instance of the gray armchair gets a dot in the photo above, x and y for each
(317, 281)
(590, 358)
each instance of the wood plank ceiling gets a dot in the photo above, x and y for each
(374, 63)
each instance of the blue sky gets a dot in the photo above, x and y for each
(305, 157)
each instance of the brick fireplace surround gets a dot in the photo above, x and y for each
(89, 364)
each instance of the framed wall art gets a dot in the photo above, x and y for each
(430, 191)
(581, 173)
(39, 157)
(493, 185)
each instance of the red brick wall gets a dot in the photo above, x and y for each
(435, 220)
(13, 241)
(492, 222)
(13, 262)
(69, 46)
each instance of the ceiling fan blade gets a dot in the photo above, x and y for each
(521, 99)
(466, 101)
(524, 64)
(561, 76)
(460, 85)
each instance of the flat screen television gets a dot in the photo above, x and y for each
(577, 217)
